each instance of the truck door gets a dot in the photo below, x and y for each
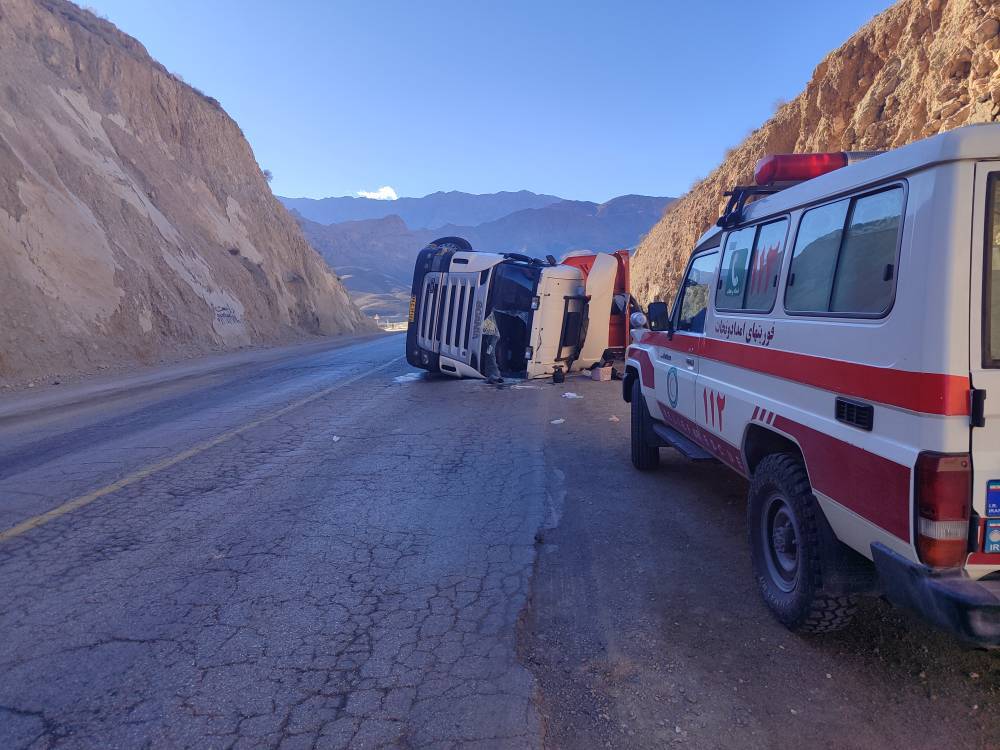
(677, 361)
(985, 354)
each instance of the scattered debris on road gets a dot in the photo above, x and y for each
(557, 421)
(601, 373)
(570, 394)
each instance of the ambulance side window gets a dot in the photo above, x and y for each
(844, 261)
(735, 262)
(751, 262)
(768, 251)
(866, 271)
(814, 258)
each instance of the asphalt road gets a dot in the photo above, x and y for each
(325, 549)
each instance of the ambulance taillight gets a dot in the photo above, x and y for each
(782, 168)
(944, 500)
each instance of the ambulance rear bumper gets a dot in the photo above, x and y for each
(967, 608)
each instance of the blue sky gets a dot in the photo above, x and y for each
(585, 100)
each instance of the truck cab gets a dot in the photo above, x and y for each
(476, 314)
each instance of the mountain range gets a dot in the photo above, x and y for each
(374, 256)
(434, 210)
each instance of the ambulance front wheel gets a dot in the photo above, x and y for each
(645, 450)
(785, 548)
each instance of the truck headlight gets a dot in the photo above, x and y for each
(535, 302)
(529, 351)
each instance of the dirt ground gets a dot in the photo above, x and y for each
(644, 628)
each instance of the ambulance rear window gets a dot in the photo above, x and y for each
(992, 332)
(844, 261)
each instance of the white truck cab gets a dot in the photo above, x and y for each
(836, 340)
(471, 312)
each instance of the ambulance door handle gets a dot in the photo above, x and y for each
(690, 361)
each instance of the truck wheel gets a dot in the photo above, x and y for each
(785, 548)
(645, 453)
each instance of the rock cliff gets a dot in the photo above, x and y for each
(919, 68)
(135, 223)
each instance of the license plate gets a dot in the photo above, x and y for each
(992, 541)
(413, 308)
(993, 498)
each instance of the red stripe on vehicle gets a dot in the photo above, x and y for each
(872, 486)
(756, 411)
(647, 375)
(983, 558)
(728, 453)
(931, 393)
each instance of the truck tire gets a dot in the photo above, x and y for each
(460, 243)
(785, 548)
(645, 452)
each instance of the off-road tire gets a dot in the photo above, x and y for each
(800, 604)
(645, 452)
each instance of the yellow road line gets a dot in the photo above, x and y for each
(78, 502)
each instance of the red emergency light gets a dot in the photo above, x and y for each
(779, 168)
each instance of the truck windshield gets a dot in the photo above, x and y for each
(991, 312)
(513, 286)
(509, 311)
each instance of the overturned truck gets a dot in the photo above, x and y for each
(491, 315)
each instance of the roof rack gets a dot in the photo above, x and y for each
(733, 214)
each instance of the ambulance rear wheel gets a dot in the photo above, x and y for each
(785, 548)
(645, 452)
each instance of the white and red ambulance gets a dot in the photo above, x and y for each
(836, 340)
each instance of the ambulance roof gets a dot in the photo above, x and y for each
(972, 142)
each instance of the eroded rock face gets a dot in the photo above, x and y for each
(135, 223)
(921, 67)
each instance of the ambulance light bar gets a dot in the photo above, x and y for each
(788, 168)
(796, 167)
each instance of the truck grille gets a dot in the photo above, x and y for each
(446, 314)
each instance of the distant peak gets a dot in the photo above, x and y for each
(384, 193)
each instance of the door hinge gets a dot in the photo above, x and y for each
(977, 407)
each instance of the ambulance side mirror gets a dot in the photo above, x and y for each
(659, 316)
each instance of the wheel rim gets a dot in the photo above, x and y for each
(780, 532)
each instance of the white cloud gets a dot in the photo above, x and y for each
(384, 193)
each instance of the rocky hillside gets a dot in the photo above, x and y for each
(919, 68)
(373, 257)
(135, 224)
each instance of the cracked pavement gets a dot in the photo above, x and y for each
(406, 562)
(279, 589)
